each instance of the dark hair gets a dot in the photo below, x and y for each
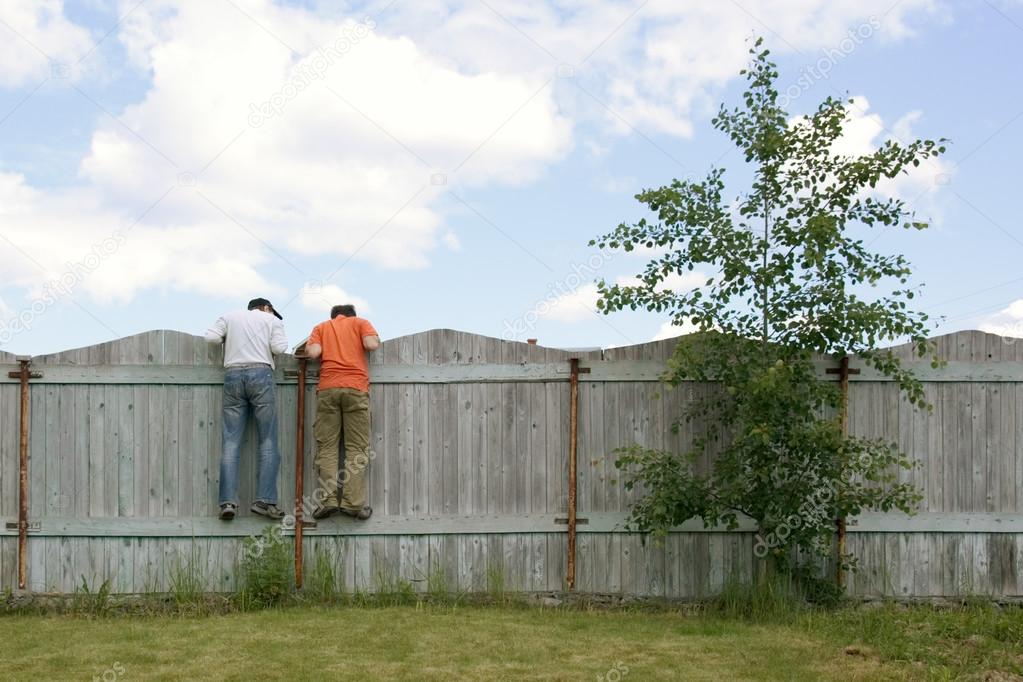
(348, 310)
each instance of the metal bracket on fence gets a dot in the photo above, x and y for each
(31, 375)
(564, 520)
(31, 526)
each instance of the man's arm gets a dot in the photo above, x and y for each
(278, 341)
(371, 343)
(313, 347)
(217, 332)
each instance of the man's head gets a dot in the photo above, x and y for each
(347, 309)
(265, 306)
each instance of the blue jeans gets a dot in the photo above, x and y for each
(244, 388)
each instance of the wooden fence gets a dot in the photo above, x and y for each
(469, 478)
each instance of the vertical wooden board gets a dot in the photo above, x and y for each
(36, 454)
(49, 566)
(556, 470)
(157, 413)
(600, 471)
(989, 494)
(381, 419)
(613, 570)
(201, 504)
(10, 406)
(1003, 474)
(965, 455)
(522, 458)
(59, 448)
(432, 404)
(584, 562)
(50, 459)
(507, 447)
(922, 566)
(980, 397)
(363, 551)
(1001, 564)
(170, 451)
(287, 413)
(935, 466)
(419, 564)
(109, 454)
(537, 562)
(686, 568)
(467, 464)
(1018, 566)
(716, 576)
(981, 565)
(427, 481)
(539, 477)
(481, 561)
(950, 446)
(612, 484)
(406, 473)
(125, 451)
(630, 562)
(601, 557)
(556, 553)
(444, 421)
(481, 460)
(493, 494)
(392, 438)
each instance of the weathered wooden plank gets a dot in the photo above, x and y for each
(590, 522)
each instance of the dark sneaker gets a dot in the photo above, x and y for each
(268, 510)
(325, 512)
(362, 514)
(227, 511)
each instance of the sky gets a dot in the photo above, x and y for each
(445, 164)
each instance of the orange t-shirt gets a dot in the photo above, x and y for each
(343, 363)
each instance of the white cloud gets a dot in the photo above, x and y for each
(572, 306)
(865, 131)
(452, 241)
(37, 41)
(349, 173)
(1006, 322)
(660, 63)
(322, 297)
(581, 303)
(613, 184)
(318, 178)
(668, 330)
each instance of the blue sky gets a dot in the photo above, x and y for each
(445, 164)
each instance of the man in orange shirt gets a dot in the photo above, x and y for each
(342, 404)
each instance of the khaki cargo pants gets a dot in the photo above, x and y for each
(337, 410)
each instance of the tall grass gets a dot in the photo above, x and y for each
(267, 569)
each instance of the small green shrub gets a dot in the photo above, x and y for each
(268, 571)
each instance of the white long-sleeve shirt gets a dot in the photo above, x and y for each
(251, 336)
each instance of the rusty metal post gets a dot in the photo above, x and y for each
(23, 375)
(299, 467)
(573, 432)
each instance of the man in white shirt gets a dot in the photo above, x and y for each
(251, 338)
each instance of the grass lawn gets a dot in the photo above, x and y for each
(446, 642)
